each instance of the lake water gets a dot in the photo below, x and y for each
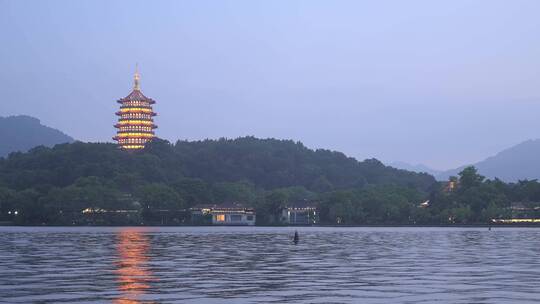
(262, 265)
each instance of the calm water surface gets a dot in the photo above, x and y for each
(261, 265)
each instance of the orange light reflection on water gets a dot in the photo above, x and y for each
(134, 275)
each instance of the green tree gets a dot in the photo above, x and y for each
(242, 192)
(469, 177)
(193, 191)
(7, 203)
(160, 197)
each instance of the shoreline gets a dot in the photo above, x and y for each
(296, 226)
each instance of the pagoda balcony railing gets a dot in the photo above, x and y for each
(135, 132)
(126, 106)
(124, 118)
(124, 139)
(143, 133)
(127, 125)
(148, 100)
(132, 132)
(120, 113)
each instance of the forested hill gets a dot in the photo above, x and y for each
(265, 163)
(272, 163)
(20, 133)
(54, 185)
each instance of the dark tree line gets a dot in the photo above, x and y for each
(478, 200)
(54, 185)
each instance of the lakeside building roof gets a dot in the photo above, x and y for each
(302, 205)
(228, 206)
(525, 206)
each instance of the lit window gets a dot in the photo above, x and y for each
(220, 217)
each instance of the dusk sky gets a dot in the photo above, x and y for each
(441, 83)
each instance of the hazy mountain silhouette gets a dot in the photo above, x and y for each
(419, 168)
(21, 133)
(519, 162)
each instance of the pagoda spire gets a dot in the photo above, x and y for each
(136, 79)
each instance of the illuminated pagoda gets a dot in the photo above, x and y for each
(136, 124)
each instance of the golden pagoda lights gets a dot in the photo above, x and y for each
(135, 123)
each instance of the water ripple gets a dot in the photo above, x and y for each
(261, 265)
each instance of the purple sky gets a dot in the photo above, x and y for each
(436, 82)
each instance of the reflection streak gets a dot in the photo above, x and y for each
(132, 270)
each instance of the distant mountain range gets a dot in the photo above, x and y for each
(522, 161)
(519, 162)
(21, 133)
(419, 168)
